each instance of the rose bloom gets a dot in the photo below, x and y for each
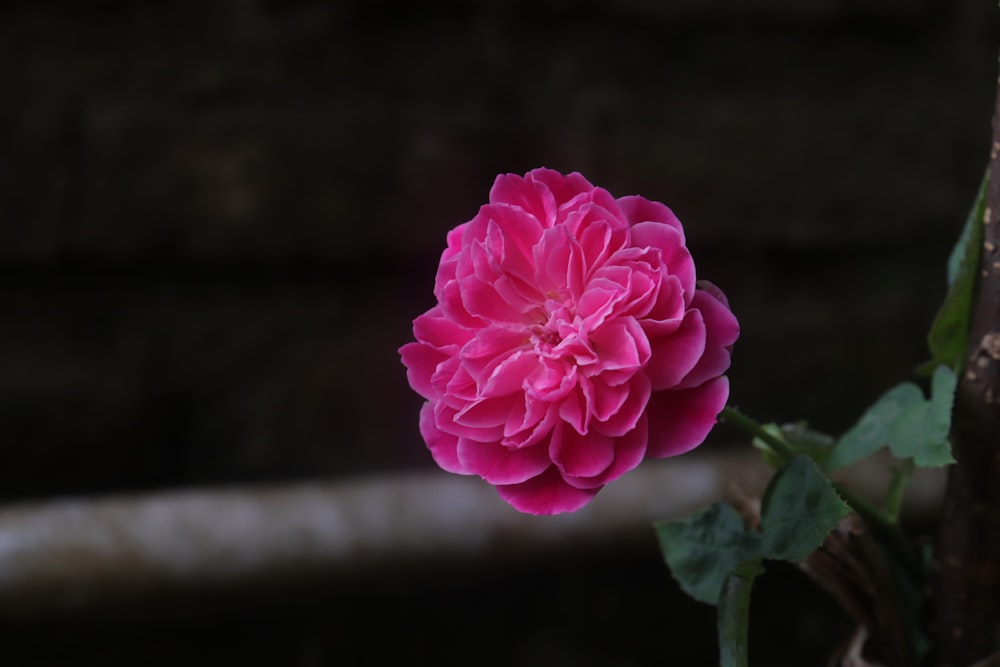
(569, 342)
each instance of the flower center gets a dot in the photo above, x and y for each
(562, 336)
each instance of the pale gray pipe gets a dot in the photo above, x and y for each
(77, 554)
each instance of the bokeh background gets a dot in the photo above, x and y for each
(217, 221)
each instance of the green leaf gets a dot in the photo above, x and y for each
(921, 430)
(872, 431)
(799, 510)
(705, 548)
(734, 614)
(950, 328)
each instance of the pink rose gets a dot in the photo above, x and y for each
(569, 342)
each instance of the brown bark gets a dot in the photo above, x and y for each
(965, 622)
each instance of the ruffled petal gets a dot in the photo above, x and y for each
(440, 332)
(575, 409)
(499, 465)
(581, 455)
(443, 446)
(563, 187)
(445, 420)
(639, 209)
(621, 348)
(630, 450)
(722, 330)
(481, 300)
(560, 264)
(628, 416)
(548, 493)
(674, 356)
(673, 252)
(421, 361)
(528, 423)
(667, 313)
(679, 421)
(510, 375)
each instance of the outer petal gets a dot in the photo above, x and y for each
(674, 356)
(675, 254)
(538, 202)
(580, 455)
(510, 375)
(722, 330)
(668, 311)
(499, 465)
(629, 415)
(679, 421)
(445, 420)
(630, 450)
(562, 187)
(547, 493)
(421, 361)
(435, 329)
(639, 209)
(443, 446)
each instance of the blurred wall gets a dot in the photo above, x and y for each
(219, 219)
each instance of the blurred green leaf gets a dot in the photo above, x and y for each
(902, 419)
(921, 430)
(872, 431)
(950, 328)
(705, 548)
(799, 510)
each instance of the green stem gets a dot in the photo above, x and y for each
(778, 445)
(894, 499)
(734, 614)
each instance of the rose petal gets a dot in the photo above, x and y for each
(666, 315)
(559, 261)
(630, 413)
(673, 356)
(443, 446)
(445, 421)
(679, 421)
(546, 494)
(722, 330)
(552, 380)
(499, 465)
(639, 209)
(510, 375)
(575, 408)
(620, 346)
(480, 299)
(674, 253)
(629, 453)
(563, 187)
(452, 305)
(528, 423)
(484, 413)
(580, 455)
(435, 329)
(421, 361)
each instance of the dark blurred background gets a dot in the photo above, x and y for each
(219, 219)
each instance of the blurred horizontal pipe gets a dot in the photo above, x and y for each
(76, 554)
